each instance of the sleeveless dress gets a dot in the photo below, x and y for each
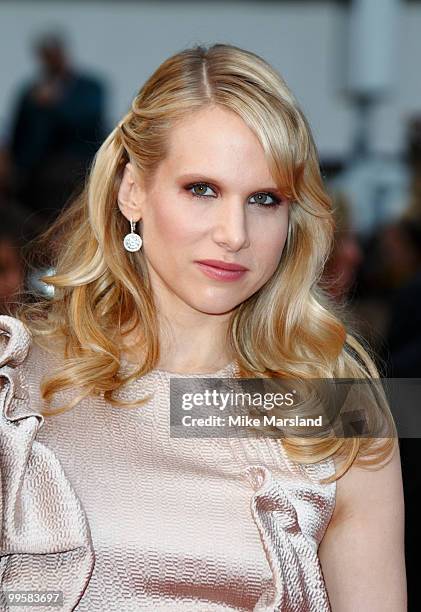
(102, 504)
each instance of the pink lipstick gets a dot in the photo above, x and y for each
(221, 270)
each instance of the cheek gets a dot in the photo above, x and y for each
(168, 226)
(269, 243)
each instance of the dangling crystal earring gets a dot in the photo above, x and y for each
(132, 242)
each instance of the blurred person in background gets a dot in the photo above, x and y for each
(402, 250)
(341, 274)
(12, 271)
(402, 245)
(57, 125)
(341, 268)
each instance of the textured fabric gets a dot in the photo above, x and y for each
(127, 518)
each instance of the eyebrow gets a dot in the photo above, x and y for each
(203, 178)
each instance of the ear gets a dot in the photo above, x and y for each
(130, 194)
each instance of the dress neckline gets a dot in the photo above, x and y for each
(228, 369)
(224, 370)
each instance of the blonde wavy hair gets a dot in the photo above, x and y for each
(102, 293)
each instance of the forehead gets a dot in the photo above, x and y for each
(218, 140)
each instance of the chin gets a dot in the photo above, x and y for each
(214, 307)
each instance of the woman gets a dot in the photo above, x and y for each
(215, 161)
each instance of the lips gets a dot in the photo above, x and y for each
(222, 265)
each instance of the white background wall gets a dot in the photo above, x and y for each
(305, 41)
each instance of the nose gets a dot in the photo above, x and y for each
(230, 228)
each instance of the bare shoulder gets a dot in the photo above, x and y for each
(362, 551)
(362, 488)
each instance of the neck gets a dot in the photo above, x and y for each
(197, 345)
(200, 346)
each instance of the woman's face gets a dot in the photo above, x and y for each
(209, 200)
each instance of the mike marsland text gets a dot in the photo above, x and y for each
(248, 421)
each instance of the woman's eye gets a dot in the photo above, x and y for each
(261, 199)
(200, 189)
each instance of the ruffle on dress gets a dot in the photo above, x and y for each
(45, 541)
